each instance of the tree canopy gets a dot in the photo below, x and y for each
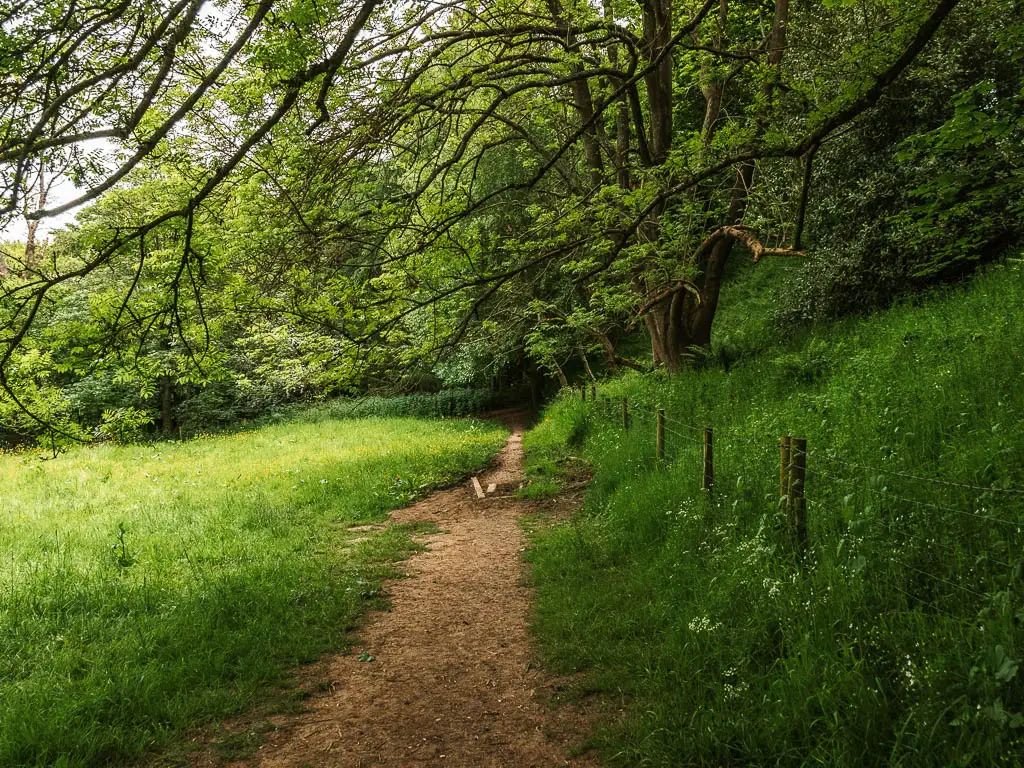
(283, 199)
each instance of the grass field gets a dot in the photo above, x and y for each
(150, 588)
(896, 639)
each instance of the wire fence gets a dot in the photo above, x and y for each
(979, 551)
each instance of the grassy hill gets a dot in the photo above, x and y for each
(895, 638)
(149, 588)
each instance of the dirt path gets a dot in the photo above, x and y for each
(451, 682)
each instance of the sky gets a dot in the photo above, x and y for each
(219, 15)
(61, 191)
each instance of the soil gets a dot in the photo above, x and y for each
(453, 679)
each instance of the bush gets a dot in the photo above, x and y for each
(930, 185)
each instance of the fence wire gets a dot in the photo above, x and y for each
(973, 557)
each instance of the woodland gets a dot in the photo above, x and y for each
(260, 258)
(246, 205)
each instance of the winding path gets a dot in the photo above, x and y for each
(451, 683)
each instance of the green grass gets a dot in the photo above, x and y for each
(540, 488)
(150, 588)
(895, 640)
(447, 402)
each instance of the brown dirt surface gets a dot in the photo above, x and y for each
(452, 681)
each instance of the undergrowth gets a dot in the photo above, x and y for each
(895, 638)
(150, 588)
(447, 402)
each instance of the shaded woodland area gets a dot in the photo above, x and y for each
(285, 201)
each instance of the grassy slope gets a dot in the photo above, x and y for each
(896, 640)
(233, 569)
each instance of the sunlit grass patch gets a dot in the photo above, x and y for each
(146, 588)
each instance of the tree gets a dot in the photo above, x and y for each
(670, 117)
(94, 92)
(407, 179)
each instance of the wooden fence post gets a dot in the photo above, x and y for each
(625, 414)
(583, 393)
(797, 478)
(785, 446)
(660, 433)
(709, 460)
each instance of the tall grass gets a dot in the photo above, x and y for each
(896, 639)
(147, 588)
(446, 403)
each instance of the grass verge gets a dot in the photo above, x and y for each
(895, 639)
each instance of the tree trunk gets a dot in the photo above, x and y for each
(166, 405)
(586, 365)
(780, 26)
(703, 315)
(713, 86)
(32, 257)
(584, 102)
(563, 382)
(657, 33)
(683, 322)
(623, 177)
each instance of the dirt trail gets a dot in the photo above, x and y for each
(451, 683)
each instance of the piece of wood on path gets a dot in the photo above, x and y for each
(492, 487)
(478, 488)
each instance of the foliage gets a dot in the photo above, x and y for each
(928, 186)
(150, 588)
(399, 213)
(292, 202)
(449, 402)
(896, 638)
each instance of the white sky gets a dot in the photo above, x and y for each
(61, 191)
(221, 16)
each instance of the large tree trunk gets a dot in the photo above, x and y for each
(703, 316)
(682, 323)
